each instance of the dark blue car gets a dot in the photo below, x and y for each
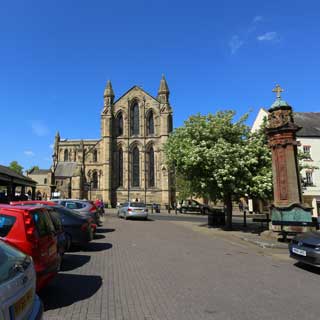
(78, 229)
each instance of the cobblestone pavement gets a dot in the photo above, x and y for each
(163, 270)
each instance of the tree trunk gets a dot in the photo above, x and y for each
(228, 206)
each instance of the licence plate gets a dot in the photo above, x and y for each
(299, 252)
(22, 303)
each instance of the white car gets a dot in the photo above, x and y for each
(133, 209)
(18, 299)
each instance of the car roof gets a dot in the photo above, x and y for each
(30, 202)
(19, 208)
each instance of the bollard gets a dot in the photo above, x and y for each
(244, 218)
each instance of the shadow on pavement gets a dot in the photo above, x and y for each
(104, 230)
(98, 236)
(97, 246)
(307, 267)
(74, 261)
(68, 289)
(250, 228)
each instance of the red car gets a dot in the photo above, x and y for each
(30, 230)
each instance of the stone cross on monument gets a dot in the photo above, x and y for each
(278, 90)
(288, 212)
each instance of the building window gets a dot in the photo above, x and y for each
(150, 124)
(95, 180)
(309, 181)
(45, 181)
(135, 165)
(151, 168)
(134, 119)
(66, 155)
(95, 156)
(306, 152)
(119, 125)
(119, 168)
(170, 127)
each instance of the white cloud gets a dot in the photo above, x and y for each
(268, 36)
(257, 19)
(235, 43)
(39, 128)
(29, 153)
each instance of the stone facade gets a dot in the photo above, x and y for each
(128, 161)
(43, 179)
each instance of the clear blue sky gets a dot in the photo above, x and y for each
(56, 57)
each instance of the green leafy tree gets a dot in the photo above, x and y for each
(183, 188)
(15, 166)
(221, 158)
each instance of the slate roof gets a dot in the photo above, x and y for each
(39, 171)
(310, 123)
(65, 169)
(12, 174)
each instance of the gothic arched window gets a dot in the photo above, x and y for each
(119, 125)
(151, 168)
(134, 119)
(150, 123)
(66, 155)
(119, 168)
(135, 167)
(95, 156)
(95, 180)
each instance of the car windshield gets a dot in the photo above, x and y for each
(12, 262)
(137, 205)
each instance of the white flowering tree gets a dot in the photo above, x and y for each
(221, 159)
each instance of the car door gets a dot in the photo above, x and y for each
(47, 239)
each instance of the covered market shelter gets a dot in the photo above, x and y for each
(13, 186)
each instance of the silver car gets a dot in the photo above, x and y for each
(18, 299)
(133, 209)
(84, 207)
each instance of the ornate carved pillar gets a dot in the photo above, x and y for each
(288, 212)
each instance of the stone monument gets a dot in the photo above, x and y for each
(289, 214)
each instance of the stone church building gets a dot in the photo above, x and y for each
(128, 161)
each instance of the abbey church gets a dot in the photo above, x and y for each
(128, 161)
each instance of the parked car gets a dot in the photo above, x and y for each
(191, 205)
(78, 229)
(63, 242)
(55, 204)
(30, 229)
(84, 207)
(305, 248)
(18, 299)
(133, 209)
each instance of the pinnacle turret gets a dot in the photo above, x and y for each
(163, 92)
(108, 91)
